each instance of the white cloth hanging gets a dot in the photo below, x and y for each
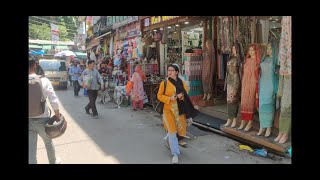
(265, 30)
(93, 56)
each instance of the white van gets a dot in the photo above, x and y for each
(55, 70)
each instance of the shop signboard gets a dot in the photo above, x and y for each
(133, 33)
(126, 21)
(146, 22)
(157, 19)
(122, 34)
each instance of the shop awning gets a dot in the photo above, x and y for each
(104, 35)
(62, 47)
(46, 47)
(81, 54)
(94, 42)
(35, 46)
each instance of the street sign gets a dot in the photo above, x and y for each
(54, 32)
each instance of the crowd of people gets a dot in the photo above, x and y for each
(177, 112)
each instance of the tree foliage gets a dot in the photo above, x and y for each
(42, 32)
(39, 27)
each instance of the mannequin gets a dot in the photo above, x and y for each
(249, 89)
(233, 88)
(207, 68)
(284, 91)
(268, 86)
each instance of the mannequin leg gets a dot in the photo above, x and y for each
(234, 122)
(261, 130)
(204, 96)
(268, 132)
(249, 126)
(278, 137)
(283, 138)
(228, 123)
(243, 123)
(208, 97)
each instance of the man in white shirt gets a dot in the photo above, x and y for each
(37, 123)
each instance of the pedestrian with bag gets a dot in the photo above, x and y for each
(39, 88)
(90, 79)
(176, 109)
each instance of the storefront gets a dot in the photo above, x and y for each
(91, 48)
(243, 31)
(127, 43)
(176, 39)
(104, 32)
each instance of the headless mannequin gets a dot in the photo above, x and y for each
(244, 122)
(261, 130)
(282, 137)
(234, 121)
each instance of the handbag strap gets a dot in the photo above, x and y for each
(165, 85)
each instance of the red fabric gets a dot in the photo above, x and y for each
(135, 103)
(246, 116)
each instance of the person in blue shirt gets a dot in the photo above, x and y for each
(75, 72)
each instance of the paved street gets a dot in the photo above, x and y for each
(122, 136)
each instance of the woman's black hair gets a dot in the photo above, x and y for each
(174, 67)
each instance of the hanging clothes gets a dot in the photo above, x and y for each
(218, 65)
(219, 32)
(207, 69)
(224, 65)
(111, 46)
(259, 32)
(264, 31)
(284, 91)
(253, 30)
(244, 32)
(93, 56)
(225, 35)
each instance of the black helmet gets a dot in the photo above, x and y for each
(56, 127)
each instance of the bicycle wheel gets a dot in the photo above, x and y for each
(108, 99)
(125, 101)
(100, 97)
(118, 97)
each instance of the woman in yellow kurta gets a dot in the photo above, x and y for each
(176, 106)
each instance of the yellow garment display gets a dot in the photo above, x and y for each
(172, 121)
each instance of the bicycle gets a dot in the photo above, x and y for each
(113, 96)
(116, 97)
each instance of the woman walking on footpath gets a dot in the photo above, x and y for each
(137, 94)
(177, 107)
